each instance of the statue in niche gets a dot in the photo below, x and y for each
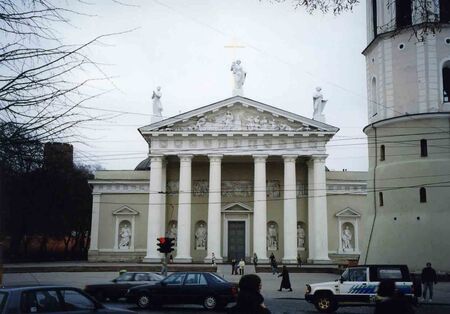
(125, 237)
(347, 238)
(239, 77)
(300, 237)
(200, 237)
(172, 233)
(272, 238)
(157, 106)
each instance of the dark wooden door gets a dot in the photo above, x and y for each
(236, 240)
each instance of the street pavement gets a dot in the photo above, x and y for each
(277, 302)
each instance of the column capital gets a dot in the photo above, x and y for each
(260, 158)
(155, 157)
(319, 158)
(290, 157)
(185, 157)
(215, 157)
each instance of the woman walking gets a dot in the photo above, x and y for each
(285, 282)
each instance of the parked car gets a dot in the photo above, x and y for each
(207, 289)
(55, 299)
(359, 285)
(117, 288)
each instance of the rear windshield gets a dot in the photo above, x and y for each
(217, 278)
(3, 297)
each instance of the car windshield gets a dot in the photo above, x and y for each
(125, 277)
(217, 278)
(157, 277)
(3, 297)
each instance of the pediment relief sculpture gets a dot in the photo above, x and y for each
(238, 118)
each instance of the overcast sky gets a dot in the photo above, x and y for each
(179, 45)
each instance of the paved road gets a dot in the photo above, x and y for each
(284, 306)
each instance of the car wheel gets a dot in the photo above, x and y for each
(210, 302)
(325, 303)
(100, 296)
(143, 301)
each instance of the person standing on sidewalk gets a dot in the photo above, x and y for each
(285, 282)
(241, 266)
(255, 260)
(428, 279)
(233, 266)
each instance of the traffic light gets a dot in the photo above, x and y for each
(165, 245)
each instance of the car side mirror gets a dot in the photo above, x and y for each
(114, 280)
(341, 279)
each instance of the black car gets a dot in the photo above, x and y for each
(55, 299)
(117, 288)
(207, 289)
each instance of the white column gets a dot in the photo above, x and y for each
(184, 210)
(260, 209)
(163, 225)
(95, 221)
(290, 210)
(214, 208)
(154, 209)
(311, 199)
(319, 225)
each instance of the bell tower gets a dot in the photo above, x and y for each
(408, 89)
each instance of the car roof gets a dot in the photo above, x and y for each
(34, 287)
(379, 265)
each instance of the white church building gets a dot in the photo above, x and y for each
(232, 178)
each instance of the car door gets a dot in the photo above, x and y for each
(354, 286)
(195, 288)
(170, 291)
(76, 302)
(41, 301)
(120, 285)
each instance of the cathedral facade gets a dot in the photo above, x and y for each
(231, 179)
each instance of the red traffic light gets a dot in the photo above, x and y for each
(162, 240)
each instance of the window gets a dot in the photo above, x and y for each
(446, 81)
(216, 278)
(174, 279)
(390, 273)
(403, 13)
(125, 277)
(40, 301)
(380, 196)
(382, 153)
(75, 301)
(195, 279)
(141, 277)
(444, 11)
(357, 274)
(374, 17)
(423, 148)
(423, 195)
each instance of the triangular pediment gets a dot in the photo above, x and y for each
(125, 210)
(238, 114)
(348, 212)
(236, 207)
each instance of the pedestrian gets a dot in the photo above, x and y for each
(249, 300)
(255, 260)
(299, 260)
(273, 264)
(391, 301)
(428, 279)
(171, 259)
(241, 266)
(285, 282)
(233, 266)
(213, 259)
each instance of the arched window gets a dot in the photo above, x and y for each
(380, 197)
(374, 98)
(446, 81)
(423, 195)
(423, 148)
(403, 13)
(382, 153)
(444, 11)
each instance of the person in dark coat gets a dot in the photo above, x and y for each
(250, 300)
(233, 266)
(285, 282)
(428, 279)
(390, 301)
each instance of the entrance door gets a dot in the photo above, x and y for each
(236, 240)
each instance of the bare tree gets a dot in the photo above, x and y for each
(42, 81)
